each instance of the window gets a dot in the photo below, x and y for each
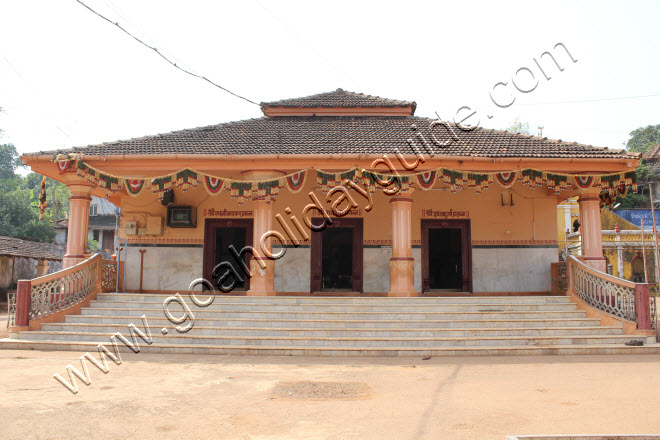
(95, 234)
(93, 210)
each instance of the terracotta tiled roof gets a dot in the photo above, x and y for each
(339, 98)
(652, 154)
(105, 222)
(342, 134)
(17, 247)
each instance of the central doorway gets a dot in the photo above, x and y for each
(446, 256)
(336, 264)
(219, 235)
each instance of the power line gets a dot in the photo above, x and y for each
(164, 57)
(594, 100)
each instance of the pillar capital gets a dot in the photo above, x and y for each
(589, 193)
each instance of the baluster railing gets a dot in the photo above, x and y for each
(615, 296)
(49, 294)
(109, 282)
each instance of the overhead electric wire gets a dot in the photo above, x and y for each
(163, 56)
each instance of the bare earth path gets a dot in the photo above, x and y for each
(188, 397)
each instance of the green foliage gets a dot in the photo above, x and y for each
(517, 126)
(8, 161)
(19, 216)
(92, 245)
(644, 138)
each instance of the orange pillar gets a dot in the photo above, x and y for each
(76, 241)
(592, 240)
(402, 263)
(262, 267)
(262, 281)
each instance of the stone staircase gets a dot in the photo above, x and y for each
(340, 326)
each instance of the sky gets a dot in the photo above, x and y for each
(68, 78)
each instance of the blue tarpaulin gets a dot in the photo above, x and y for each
(635, 216)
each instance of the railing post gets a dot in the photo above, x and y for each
(23, 295)
(99, 273)
(642, 307)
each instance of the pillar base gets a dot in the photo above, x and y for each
(261, 293)
(403, 294)
(402, 277)
(598, 263)
(72, 260)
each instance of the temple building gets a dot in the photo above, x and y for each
(340, 193)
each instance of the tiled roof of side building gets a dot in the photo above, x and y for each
(339, 98)
(293, 135)
(652, 154)
(21, 248)
(106, 222)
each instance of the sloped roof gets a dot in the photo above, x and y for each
(342, 135)
(652, 154)
(18, 247)
(339, 98)
(104, 222)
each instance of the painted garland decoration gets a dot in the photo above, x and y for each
(326, 180)
(479, 182)
(506, 179)
(426, 180)
(296, 181)
(532, 177)
(556, 182)
(213, 185)
(42, 199)
(454, 179)
(584, 181)
(611, 185)
(186, 179)
(65, 161)
(134, 186)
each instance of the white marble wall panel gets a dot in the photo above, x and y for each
(292, 271)
(376, 269)
(417, 255)
(512, 269)
(165, 268)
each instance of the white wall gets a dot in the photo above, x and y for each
(522, 269)
(165, 268)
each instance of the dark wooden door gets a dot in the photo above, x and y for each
(219, 234)
(463, 262)
(108, 241)
(355, 226)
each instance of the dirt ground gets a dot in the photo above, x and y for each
(268, 398)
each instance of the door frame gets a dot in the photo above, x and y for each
(466, 249)
(209, 245)
(316, 269)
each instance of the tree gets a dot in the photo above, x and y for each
(8, 161)
(644, 138)
(19, 217)
(641, 140)
(517, 126)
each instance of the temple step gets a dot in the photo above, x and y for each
(160, 320)
(339, 326)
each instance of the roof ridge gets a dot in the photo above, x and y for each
(334, 98)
